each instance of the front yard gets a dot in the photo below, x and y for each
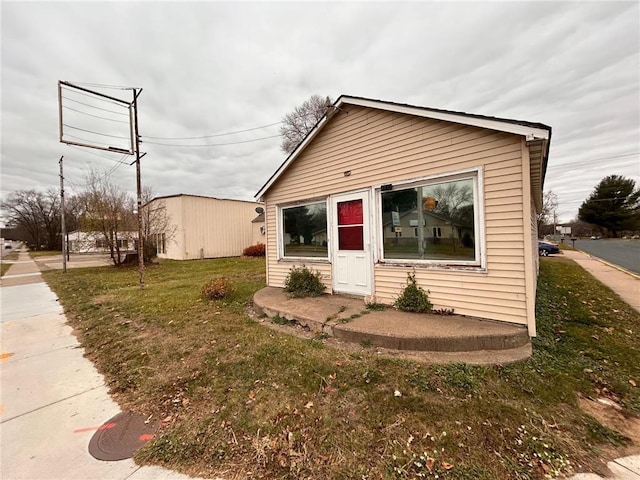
(240, 400)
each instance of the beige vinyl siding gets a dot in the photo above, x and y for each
(208, 227)
(379, 147)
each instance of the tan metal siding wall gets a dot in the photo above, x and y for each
(175, 244)
(216, 228)
(382, 147)
(256, 235)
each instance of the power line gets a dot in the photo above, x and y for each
(101, 85)
(93, 106)
(94, 132)
(599, 159)
(95, 116)
(212, 144)
(101, 156)
(213, 135)
(95, 97)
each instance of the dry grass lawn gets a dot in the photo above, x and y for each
(240, 400)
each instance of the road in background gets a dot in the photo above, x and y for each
(622, 252)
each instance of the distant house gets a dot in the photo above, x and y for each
(378, 190)
(187, 227)
(95, 242)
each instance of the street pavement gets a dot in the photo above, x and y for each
(624, 252)
(53, 399)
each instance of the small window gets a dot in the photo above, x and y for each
(443, 216)
(304, 231)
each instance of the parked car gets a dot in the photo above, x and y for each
(7, 245)
(547, 248)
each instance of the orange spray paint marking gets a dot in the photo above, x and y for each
(106, 426)
(146, 436)
(5, 356)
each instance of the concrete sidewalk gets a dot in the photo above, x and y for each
(624, 283)
(627, 285)
(53, 399)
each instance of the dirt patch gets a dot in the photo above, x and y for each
(611, 415)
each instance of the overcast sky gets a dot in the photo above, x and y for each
(212, 68)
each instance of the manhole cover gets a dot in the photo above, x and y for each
(121, 437)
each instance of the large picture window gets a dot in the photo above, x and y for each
(431, 221)
(304, 231)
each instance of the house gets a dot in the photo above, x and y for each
(95, 242)
(187, 227)
(397, 189)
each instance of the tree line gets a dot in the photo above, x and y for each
(612, 208)
(102, 210)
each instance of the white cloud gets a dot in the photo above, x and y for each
(208, 68)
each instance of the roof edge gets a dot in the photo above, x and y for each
(529, 130)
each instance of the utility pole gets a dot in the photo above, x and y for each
(63, 228)
(136, 93)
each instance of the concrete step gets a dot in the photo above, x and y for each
(347, 319)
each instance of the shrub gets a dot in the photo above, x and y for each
(413, 298)
(302, 282)
(218, 288)
(257, 250)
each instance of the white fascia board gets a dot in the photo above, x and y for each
(530, 132)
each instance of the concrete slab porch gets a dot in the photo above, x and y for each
(446, 338)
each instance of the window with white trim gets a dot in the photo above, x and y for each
(445, 211)
(303, 231)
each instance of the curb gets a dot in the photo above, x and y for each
(612, 265)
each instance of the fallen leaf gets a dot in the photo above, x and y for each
(308, 405)
(430, 463)
(397, 393)
(252, 395)
(328, 389)
(632, 382)
(595, 337)
(545, 467)
(446, 466)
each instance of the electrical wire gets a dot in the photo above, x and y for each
(213, 135)
(599, 159)
(95, 97)
(95, 116)
(93, 106)
(101, 156)
(94, 132)
(100, 85)
(212, 144)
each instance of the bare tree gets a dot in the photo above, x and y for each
(36, 213)
(297, 124)
(157, 227)
(548, 213)
(108, 213)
